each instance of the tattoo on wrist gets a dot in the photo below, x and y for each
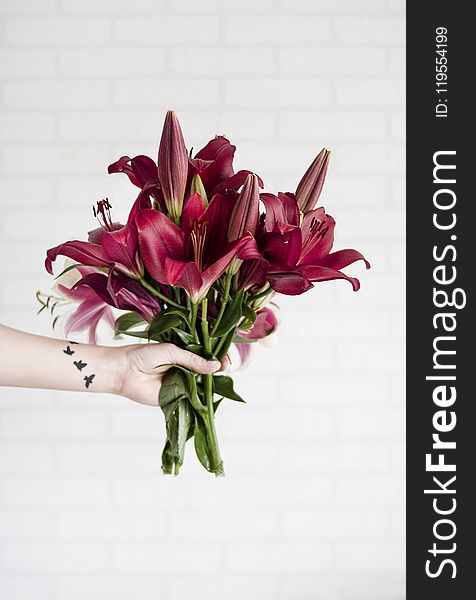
(79, 364)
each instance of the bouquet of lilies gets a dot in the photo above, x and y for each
(201, 256)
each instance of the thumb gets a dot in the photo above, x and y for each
(177, 356)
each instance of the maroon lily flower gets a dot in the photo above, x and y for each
(301, 255)
(310, 187)
(112, 245)
(177, 257)
(121, 292)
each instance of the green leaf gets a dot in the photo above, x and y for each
(226, 345)
(68, 269)
(185, 418)
(126, 322)
(165, 321)
(191, 379)
(172, 390)
(202, 448)
(223, 386)
(187, 338)
(167, 459)
(195, 348)
(249, 313)
(231, 316)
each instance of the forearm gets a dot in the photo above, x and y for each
(39, 362)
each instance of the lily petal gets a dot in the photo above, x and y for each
(317, 273)
(159, 239)
(92, 255)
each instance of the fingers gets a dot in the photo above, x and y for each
(176, 356)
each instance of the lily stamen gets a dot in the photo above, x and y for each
(102, 212)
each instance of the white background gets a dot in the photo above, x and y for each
(312, 506)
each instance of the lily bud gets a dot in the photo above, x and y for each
(310, 186)
(196, 185)
(173, 165)
(245, 214)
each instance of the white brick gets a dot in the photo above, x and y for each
(332, 61)
(310, 587)
(18, 127)
(370, 424)
(166, 558)
(28, 6)
(116, 457)
(19, 588)
(386, 357)
(371, 30)
(217, 5)
(164, 94)
(371, 93)
(398, 126)
(25, 458)
(108, 587)
(225, 526)
(324, 127)
(227, 586)
(51, 491)
(384, 585)
(370, 490)
(274, 557)
(207, 61)
(51, 424)
(22, 524)
(56, 94)
(167, 30)
(240, 491)
(335, 524)
(56, 159)
(109, 525)
(54, 558)
(333, 456)
(26, 63)
(277, 29)
(112, 62)
(255, 424)
(331, 5)
(356, 191)
(111, 6)
(50, 30)
(376, 557)
(397, 61)
(374, 158)
(331, 391)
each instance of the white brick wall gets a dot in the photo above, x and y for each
(312, 507)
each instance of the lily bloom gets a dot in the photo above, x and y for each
(193, 257)
(310, 187)
(112, 245)
(91, 309)
(121, 292)
(301, 254)
(214, 164)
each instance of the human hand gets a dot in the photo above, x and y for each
(137, 375)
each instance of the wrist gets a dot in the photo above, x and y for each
(113, 366)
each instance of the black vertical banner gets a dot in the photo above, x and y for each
(441, 357)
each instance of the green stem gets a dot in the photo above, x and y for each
(155, 292)
(224, 302)
(193, 321)
(217, 462)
